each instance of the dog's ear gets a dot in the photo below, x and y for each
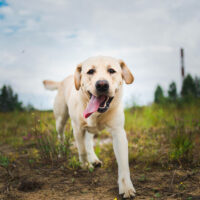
(126, 73)
(77, 76)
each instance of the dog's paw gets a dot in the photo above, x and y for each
(86, 165)
(130, 193)
(126, 188)
(94, 160)
(97, 163)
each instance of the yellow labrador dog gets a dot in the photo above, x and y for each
(92, 98)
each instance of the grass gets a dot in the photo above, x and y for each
(4, 161)
(164, 134)
(161, 135)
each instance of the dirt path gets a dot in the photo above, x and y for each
(46, 182)
(51, 183)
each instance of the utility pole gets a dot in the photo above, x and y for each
(182, 64)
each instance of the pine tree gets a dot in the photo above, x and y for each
(8, 100)
(172, 92)
(189, 87)
(158, 95)
(197, 83)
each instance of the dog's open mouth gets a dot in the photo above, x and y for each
(100, 104)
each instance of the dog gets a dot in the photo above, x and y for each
(92, 98)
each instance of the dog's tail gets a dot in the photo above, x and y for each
(51, 85)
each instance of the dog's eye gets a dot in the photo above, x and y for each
(111, 71)
(91, 71)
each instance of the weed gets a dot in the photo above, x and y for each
(156, 134)
(91, 169)
(74, 163)
(181, 148)
(157, 195)
(4, 161)
(47, 145)
(97, 149)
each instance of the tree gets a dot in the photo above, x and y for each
(8, 100)
(189, 87)
(197, 83)
(29, 107)
(158, 95)
(172, 91)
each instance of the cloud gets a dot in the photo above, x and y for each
(46, 39)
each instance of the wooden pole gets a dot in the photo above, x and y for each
(182, 64)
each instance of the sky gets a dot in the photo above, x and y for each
(46, 39)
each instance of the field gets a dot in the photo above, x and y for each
(164, 156)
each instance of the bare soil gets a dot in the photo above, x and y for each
(56, 182)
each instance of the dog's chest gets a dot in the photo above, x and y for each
(93, 125)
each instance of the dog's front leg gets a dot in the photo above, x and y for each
(79, 135)
(120, 145)
(91, 155)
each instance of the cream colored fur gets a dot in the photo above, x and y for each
(71, 101)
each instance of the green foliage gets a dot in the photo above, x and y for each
(14, 125)
(157, 195)
(172, 92)
(190, 91)
(164, 134)
(49, 148)
(4, 161)
(159, 95)
(97, 149)
(157, 134)
(197, 83)
(44, 136)
(29, 107)
(74, 162)
(182, 145)
(189, 87)
(8, 100)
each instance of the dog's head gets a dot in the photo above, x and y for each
(100, 78)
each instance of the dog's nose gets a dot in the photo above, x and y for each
(102, 86)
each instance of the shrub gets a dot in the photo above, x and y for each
(8, 100)
(181, 147)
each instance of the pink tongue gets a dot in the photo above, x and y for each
(93, 105)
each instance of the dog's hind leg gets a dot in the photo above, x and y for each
(91, 155)
(61, 116)
(60, 128)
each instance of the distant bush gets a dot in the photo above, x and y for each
(172, 92)
(159, 95)
(9, 101)
(190, 91)
(189, 88)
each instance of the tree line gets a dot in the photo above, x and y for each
(190, 90)
(9, 101)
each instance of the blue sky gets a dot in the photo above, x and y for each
(46, 39)
(3, 3)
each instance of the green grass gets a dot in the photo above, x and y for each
(164, 134)
(4, 161)
(160, 135)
